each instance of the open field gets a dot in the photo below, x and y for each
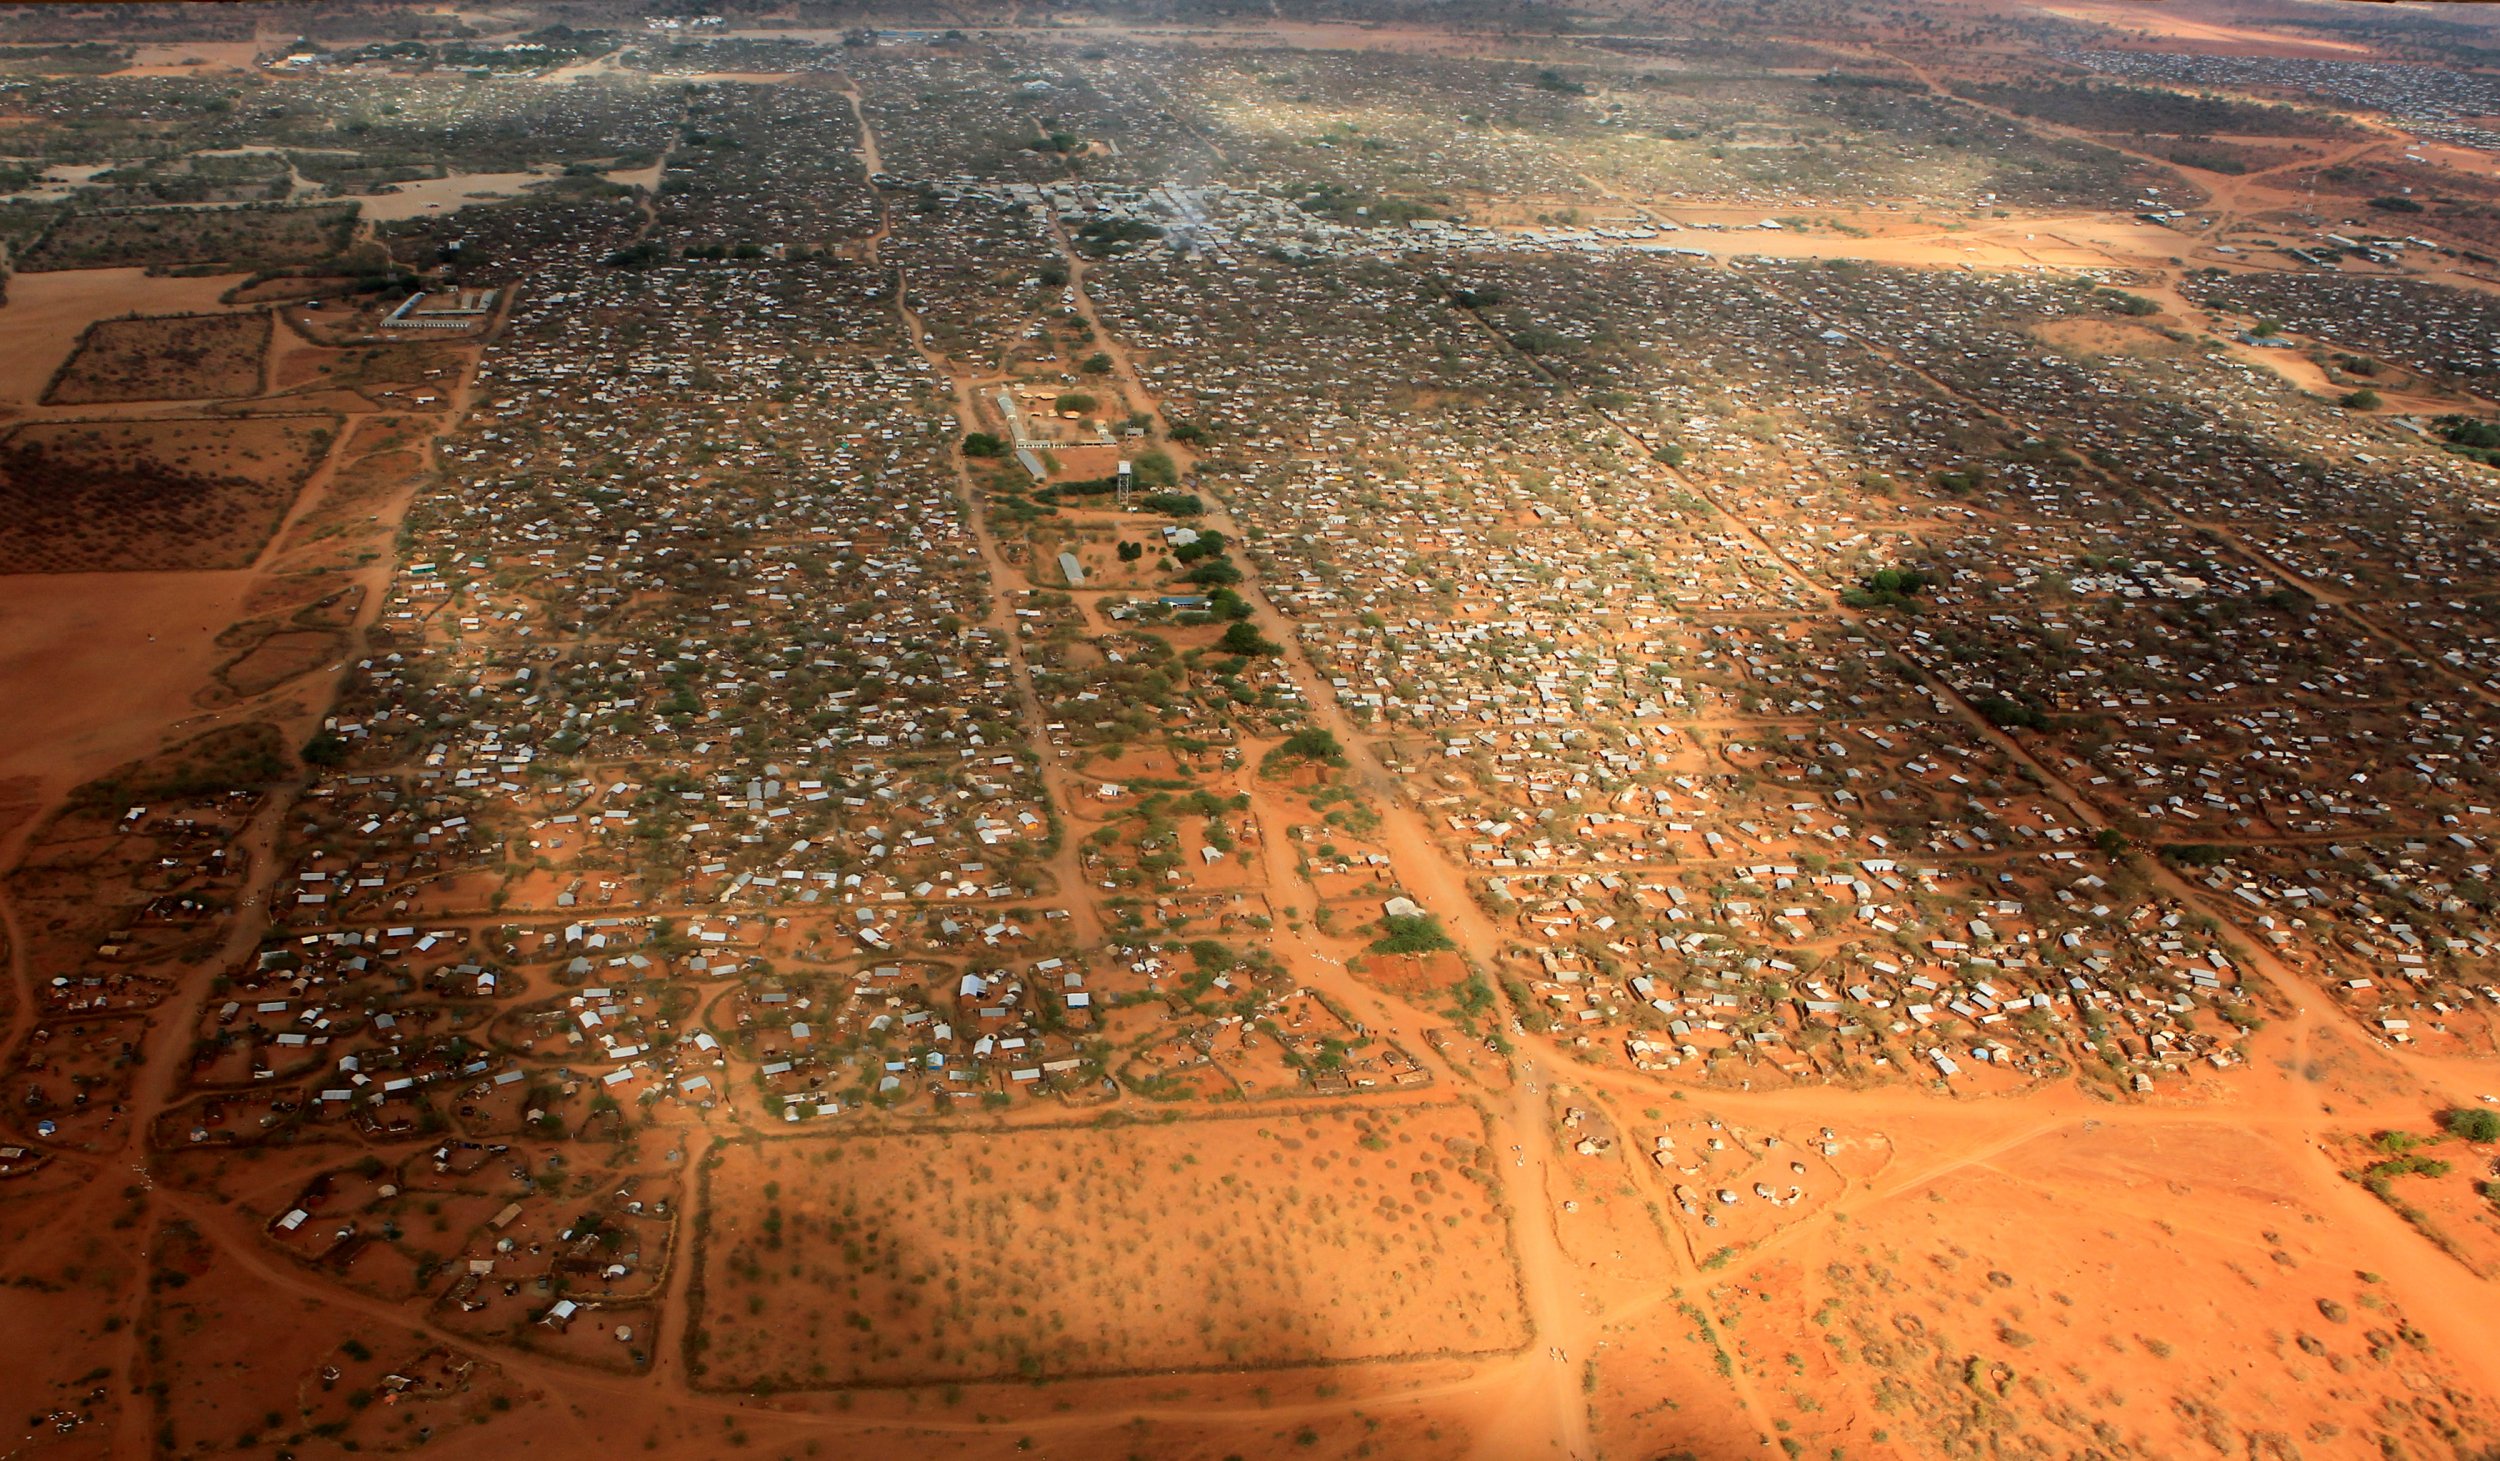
(1331, 1240)
(238, 238)
(51, 313)
(103, 708)
(137, 496)
(164, 358)
(2204, 1296)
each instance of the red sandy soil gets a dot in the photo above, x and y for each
(55, 309)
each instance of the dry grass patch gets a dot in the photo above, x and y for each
(1209, 1244)
(137, 496)
(164, 358)
(158, 238)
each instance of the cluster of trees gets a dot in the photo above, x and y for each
(1316, 746)
(2011, 714)
(2143, 110)
(1115, 235)
(1888, 588)
(2471, 436)
(1309, 747)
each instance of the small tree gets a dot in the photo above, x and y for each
(1411, 934)
(1304, 745)
(1243, 638)
(1155, 468)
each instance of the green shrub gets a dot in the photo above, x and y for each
(1414, 934)
(1888, 588)
(2473, 1124)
